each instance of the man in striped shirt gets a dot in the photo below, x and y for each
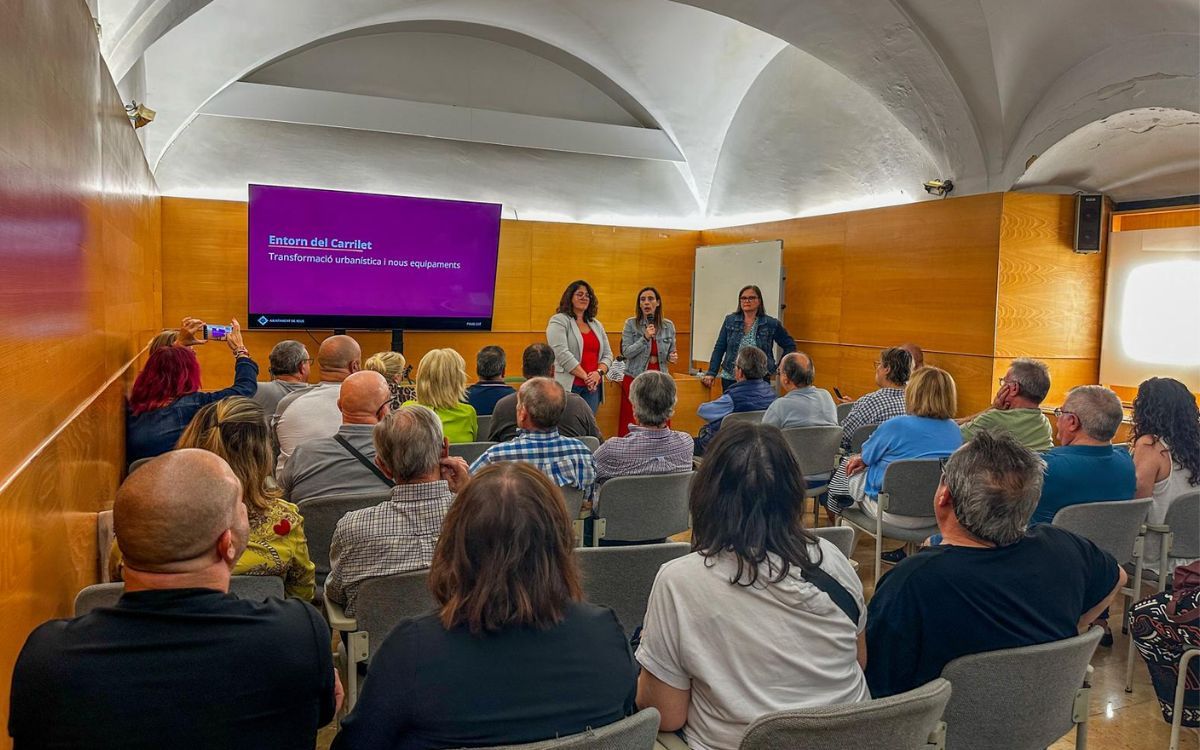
(567, 461)
(651, 447)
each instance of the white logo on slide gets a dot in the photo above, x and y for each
(263, 320)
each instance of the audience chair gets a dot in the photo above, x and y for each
(592, 442)
(908, 488)
(321, 516)
(621, 577)
(1020, 698)
(258, 588)
(105, 536)
(1179, 538)
(644, 508)
(1180, 683)
(636, 732)
(380, 604)
(860, 436)
(817, 450)
(908, 721)
(842, 537)
(484, 426)
(470, 451)
(843, 411)
(139, 463)
(753, 417)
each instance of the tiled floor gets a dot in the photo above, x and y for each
(1119, 720)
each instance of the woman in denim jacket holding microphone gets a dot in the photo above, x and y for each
(748, 326)
(647, 343)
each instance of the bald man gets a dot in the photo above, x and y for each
(313, 413)
(177, 662)
(803, 404)
(345, 462)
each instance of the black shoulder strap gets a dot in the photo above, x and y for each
(837, 592)
(368, 462)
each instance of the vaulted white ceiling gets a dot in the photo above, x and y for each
(688, 113)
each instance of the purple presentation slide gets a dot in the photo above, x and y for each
(329, 259)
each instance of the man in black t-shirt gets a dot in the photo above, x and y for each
(178, 662)
(991, 584)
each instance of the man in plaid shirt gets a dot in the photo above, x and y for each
(397, 536)
(567, 461)
(651, 447)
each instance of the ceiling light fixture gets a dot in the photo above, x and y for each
(940, 187)
(139, 114)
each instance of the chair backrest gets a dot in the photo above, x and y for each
(621, 577)
(1183, 517)
(860, 436)
(910, 484)
(637, 732)
(573, 497)
(644, 508)
(485, 425)
(321, 515)
(140, 463)
(470, 451)
(841, 537)
(384, 601)
(105, 536)
(816, 448)
(1113, 526)
(591, 441)
(257, 588)
(1016, 698)
(843, 411)
(754, 417)
(899, 722)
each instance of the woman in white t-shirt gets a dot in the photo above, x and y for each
(744, 625)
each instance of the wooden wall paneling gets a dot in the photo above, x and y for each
(924, 272)
(513, 266)
(1050, 300)
(1162, 219)
(666, 260)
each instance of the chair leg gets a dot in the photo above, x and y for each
(1180, 683)
(878, 548)
(1126, 625)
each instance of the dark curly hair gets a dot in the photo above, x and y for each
(1166, 410)
(564, 304)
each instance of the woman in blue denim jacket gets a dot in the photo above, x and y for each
(647, 343)
(749, 326)
(166, 394)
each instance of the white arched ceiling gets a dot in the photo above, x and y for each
(967, 89)
(1141, 154)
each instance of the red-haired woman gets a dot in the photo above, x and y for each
(512, 654)
(166, 394)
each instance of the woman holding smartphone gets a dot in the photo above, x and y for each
(647, 343)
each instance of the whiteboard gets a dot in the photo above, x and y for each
(721, 272)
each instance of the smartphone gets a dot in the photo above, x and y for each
(216, 333)
(839, 393)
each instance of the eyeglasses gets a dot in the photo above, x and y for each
(878, 363)
(748, 299)
(942, 464)
(1059, 412)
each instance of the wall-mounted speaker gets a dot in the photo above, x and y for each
(1089, 211)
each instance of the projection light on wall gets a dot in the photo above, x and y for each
(1160, 313)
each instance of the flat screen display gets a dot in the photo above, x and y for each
(330, 259)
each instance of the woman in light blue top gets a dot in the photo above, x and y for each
(647, 343)
(926, 431)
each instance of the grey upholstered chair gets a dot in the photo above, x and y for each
(860, 436)
(644, 508)
(258, 588)
(485, 426)
(379, 604)
(817, 450)
(908, 721)
(1020, 698)
(590, 441)
(621, 577)
(754, 417)
(321, 515)
(908, 488)
(843, 411)
(637, 732)
(470, 451)
(842, 537)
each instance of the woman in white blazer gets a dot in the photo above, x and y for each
(582, 355)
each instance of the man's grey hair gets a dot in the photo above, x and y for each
(409, 442)
(995, 482)
(544, 400)
(653, 397)
(286, 357)
(1098, 410)
(490, 362)
(798, 368)
(752, 362)
(1032, 377)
